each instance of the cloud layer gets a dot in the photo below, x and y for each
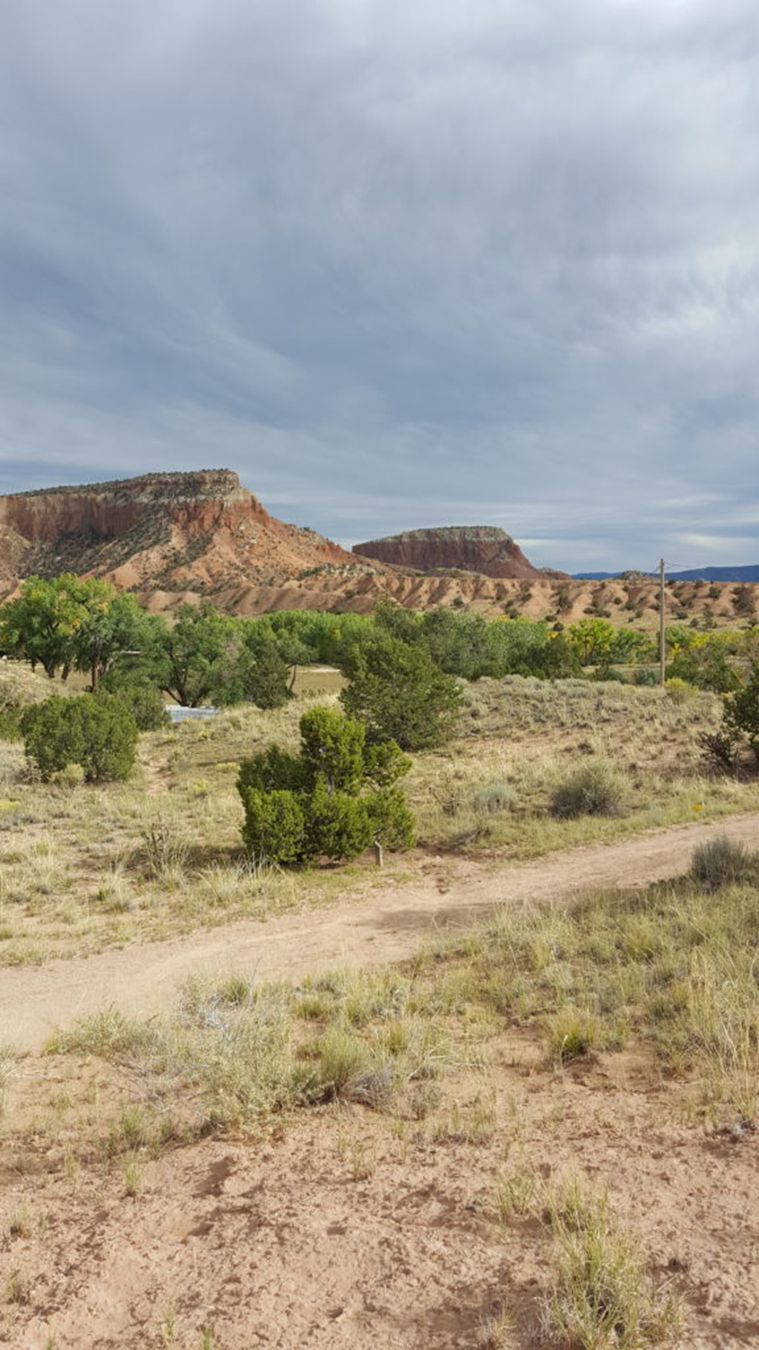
(398, 265)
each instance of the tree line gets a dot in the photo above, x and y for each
(200, 656)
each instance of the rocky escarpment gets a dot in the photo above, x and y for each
(471, 548)
(175, 531)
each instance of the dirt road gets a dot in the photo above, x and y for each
(385, 926)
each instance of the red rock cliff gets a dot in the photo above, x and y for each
(167, 530)
(471, 548)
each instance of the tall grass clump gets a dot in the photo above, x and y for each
(723, 862)
(232, 1054)
(595, 789)
(723, 1021)
(602, 1296)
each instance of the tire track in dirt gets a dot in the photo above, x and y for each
(384, 926)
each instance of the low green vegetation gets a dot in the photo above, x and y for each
(84, 865)
(67, 625)
(665, 974)
(541, 765)
(594, 789)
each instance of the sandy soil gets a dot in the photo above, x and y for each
(386, 925)
(353, 1230)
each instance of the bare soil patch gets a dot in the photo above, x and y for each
(351, 1229)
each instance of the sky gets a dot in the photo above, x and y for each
(398, 263)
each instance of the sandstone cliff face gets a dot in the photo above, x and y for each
(472, 548)
(194, 531)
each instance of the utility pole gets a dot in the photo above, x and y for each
(662, 644)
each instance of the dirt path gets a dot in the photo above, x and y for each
(384, 926)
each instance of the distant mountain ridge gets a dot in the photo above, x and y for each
(749, 573)
(176, 538)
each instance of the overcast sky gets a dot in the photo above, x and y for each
(398, 263)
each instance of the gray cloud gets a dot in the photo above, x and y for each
(396, 265)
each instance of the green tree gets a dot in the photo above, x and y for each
(593, 640)
(113, 629)
(264, 674)
(198, 657)
(73, 623)
(400, 694)
(741, 715)
(42, 625)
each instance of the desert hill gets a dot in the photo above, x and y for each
(472, 548)
(177, 537)
(173, 531)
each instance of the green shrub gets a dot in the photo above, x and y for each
(53, 735)
(274, 769)
(723, 862)
(742, 711)
(392, 824)
(275, 825)
(332, 748)
(646, 677)
(145, 702)
(720, 749)
(338, 824)
(707, 667)
(608, 675)
(679, 691)
(11, 712)
(96, 731)
(385, 763)
(109, 734)
(593, 790)
(333, 800)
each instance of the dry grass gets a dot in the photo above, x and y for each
(523, 740)
(602, 1297)
(671, 969)
(83, 867)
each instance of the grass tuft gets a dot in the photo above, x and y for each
(602, 1297)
